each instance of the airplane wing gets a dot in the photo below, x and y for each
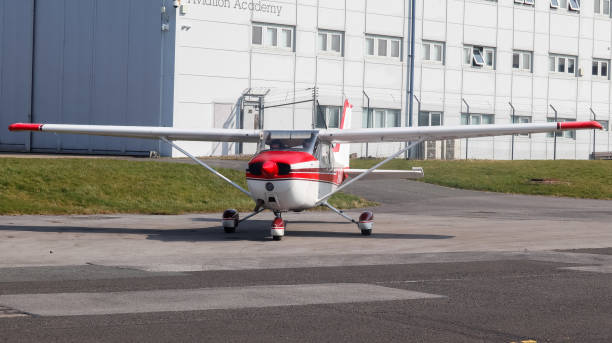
(402, 134)
(153, 132)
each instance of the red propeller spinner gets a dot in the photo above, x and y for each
(269, 169)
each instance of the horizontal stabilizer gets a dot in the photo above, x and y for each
(383, 174)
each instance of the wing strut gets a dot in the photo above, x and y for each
(206, 166)
(378, 165)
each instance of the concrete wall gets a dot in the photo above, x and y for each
(507, 27)
(216, 62)
(15, 71)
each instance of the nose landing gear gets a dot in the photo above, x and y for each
(278, 227)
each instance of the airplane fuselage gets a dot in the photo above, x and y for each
(290, 180)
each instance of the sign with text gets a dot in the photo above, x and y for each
(254, 6)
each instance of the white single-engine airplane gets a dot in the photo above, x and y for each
(294, 170)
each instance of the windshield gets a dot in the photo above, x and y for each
(289, 141)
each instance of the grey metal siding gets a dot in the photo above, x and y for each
(95, 62)
(15, 70)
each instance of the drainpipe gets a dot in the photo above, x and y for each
(412, 19)
(367, 122)
(555, 142)
(513, 114)
(468, 123)
(419, 113)
(594, 131)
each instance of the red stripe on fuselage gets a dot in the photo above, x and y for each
(335, 178)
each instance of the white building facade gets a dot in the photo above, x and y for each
(475, 60)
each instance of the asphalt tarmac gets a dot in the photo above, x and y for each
(442, 265)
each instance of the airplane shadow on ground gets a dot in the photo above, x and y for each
(257, 230)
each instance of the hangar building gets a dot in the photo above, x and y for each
(252, 63)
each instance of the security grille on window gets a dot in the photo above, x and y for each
(522, 120)
(476, 119)
(272, 36)
(433, 51)
(479, 57)
(430, 118)
(567, 134)
(389, 47)
(573, 5)
(330, 42)
(521, 60)
(562, 64)
(329, 115)
(601, 68)
(380, 117)
(602, 7)
(526, 2)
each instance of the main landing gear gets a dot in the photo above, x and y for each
(365, 223)
(231, 219)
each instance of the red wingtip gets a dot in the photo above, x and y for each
(574, 125)
(25, 127)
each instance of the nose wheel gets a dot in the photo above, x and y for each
(278, 227)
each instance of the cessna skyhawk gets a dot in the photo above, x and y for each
(294, 170)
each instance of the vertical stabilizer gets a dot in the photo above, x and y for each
(342, 151)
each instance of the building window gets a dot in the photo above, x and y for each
(273, 36)
(388, 47)
(430, 118)
(479, 57)
(526, 2)
(381, 117)
(601, 68)
(328, 116)
(602, 7)
(573, 5)
(522, 120)
(562, 64)
(330, 42)
(567, 134)
(521, 60)
(433, 51)
(476, 119)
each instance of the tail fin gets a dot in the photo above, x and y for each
(342, 151)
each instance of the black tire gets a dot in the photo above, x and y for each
(366, 232)
(277, 238)
(229, 229)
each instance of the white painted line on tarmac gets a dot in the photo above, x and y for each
(73, 304)
(606, 269)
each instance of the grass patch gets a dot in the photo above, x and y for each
(577, 179)
(99, 186)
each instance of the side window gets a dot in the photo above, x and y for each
(323, 154)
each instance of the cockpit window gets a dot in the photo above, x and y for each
(289, 141)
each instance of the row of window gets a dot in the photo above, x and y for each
(282, 37)
(484, 58)
(328, 42)
(601, 6)
(329, 116)
(573, 5)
